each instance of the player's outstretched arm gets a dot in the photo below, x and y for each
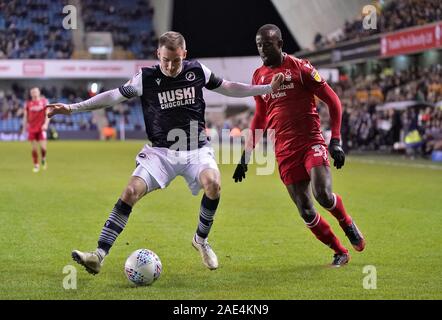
(326, 94)
(101, 100)
(313, 82)
(240, 90)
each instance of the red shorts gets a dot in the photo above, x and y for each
(295, 166)
(37, 135)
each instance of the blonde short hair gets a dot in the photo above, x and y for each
(172, 40)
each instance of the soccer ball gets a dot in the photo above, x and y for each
(143, 267)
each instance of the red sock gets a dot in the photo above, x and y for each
(338, 211)
(35, 157)
(43, 154)
(321, 229)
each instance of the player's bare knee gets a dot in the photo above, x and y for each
(212, 188)
(307, 214)
(130, 195)
(305, 207)
(324, 197)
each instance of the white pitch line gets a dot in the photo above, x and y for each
(398, 164)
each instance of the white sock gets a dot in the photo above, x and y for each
(199, 239)
(101, 253)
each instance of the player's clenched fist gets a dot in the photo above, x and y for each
(241, 169)
(277, 81)
(58, 108)
(336, 153)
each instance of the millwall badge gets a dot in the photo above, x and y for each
(190, 76)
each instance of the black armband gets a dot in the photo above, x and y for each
(214, 82)
(128, 91)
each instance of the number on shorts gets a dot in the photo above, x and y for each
(320, 151)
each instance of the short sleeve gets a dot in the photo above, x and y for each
(211, 80)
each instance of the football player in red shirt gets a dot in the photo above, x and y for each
(300, 148)
(36, 123)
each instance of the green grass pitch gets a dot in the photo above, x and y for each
(264, 249)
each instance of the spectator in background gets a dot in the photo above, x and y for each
(395, 15)
(108, 133)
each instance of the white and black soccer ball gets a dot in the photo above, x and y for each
(143, 267)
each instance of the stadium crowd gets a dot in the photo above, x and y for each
(127, 21)
(392, 16)
(367, 121)
(32, 29)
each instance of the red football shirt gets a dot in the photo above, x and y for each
(36, 110)
(291, 111)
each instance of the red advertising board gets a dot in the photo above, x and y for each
(409, 41)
